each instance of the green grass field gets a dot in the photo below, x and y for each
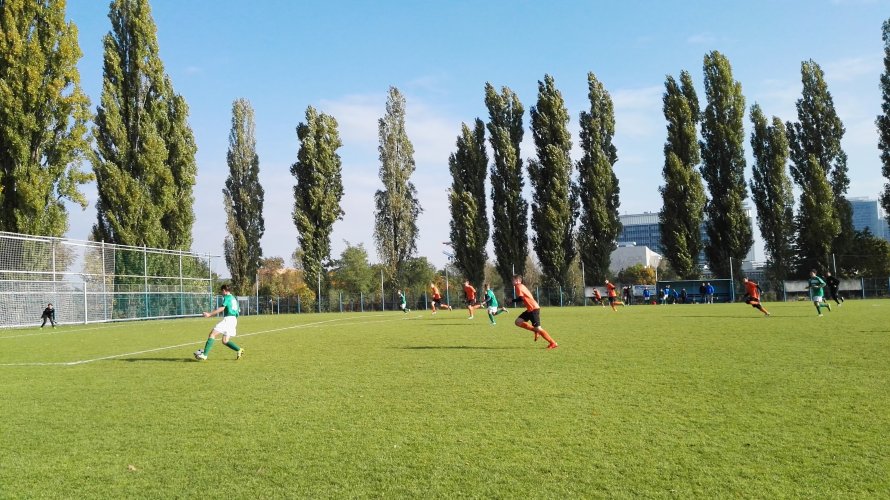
(667, 401)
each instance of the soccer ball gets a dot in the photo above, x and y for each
(199, 353)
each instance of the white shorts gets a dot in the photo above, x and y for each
(228, 326)
(817, 298)
(492, 310)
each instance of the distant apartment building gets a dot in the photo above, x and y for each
(867, 213)
(642, 230)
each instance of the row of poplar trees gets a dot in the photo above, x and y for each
(708, 145)
(142, 153)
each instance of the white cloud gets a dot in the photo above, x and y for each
(701, 39)
(853, 68)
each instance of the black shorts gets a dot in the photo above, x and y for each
(437, 302)
(472, 302)
(612, 299)
(533, 316)
(751, 300)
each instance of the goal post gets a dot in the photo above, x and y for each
(90, 282)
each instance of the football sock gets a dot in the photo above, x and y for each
(546, 335)
(491, 317)
(207, 346)
(231, 345)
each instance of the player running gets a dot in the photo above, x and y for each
(752, 295)
(437, 298)
(532, 313)
(817, 292)
(470, 294)
(403, 303)
(492, 302)
(613, 296)
(227, 327)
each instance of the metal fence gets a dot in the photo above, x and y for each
(91, 282)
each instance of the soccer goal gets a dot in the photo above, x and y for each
(91, 282)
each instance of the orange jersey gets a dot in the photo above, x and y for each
(470, 291)
(751, 289)
(526, 296)
(435, 291)
(596, 294)
(611, 288)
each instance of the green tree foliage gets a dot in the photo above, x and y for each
(771, 191)
(872, 256)
(243, 200)
(397, 206)
(817, 134)
(637, 274)
(318, 191)
(352, 271)
(510, 231)
(683, 195)
(723, 168)
(469, 219)
(883, 120)
(597, 184)
(816, 221)
(555, 203)
(144, 159)
(43, 116)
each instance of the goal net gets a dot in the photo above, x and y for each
(95, 282)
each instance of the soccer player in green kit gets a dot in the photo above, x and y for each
(227, 327)
(403, 303)
(492, 301)
(817, 292)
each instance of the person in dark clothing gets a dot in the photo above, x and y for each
(834, 285)
(48, 314)
(683, 296)
(702, 293)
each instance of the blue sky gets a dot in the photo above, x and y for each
(342, 56)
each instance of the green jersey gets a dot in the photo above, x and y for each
(231, 305)
(489, 296)
(816, 285)
(402, 298)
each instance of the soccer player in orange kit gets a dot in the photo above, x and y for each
(532, 313)
(752, 295)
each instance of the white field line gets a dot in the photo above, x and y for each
(51, 331)
(114, 356)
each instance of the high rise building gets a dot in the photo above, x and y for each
(642, 230)
(867, 213)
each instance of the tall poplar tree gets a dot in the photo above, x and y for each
(397, 206)
(683, 195)
(723, 168)
(43, 116)
(597, 184)
(318, 192)
(771, 191)
(818, 218)
(817, 135)
(243, 200)
(144, 159)
(555, 203)
(510, 232)
(883, 120)
(469, 219)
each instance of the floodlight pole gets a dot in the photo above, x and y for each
(834, 264)
(731, 283)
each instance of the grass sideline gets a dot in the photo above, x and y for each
(678, 401)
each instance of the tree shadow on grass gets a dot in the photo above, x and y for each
(424, 347)
(179, 360)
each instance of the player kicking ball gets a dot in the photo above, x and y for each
(752, 295)
(492, 302)
(227, 327)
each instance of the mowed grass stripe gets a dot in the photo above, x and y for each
(648, 401)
